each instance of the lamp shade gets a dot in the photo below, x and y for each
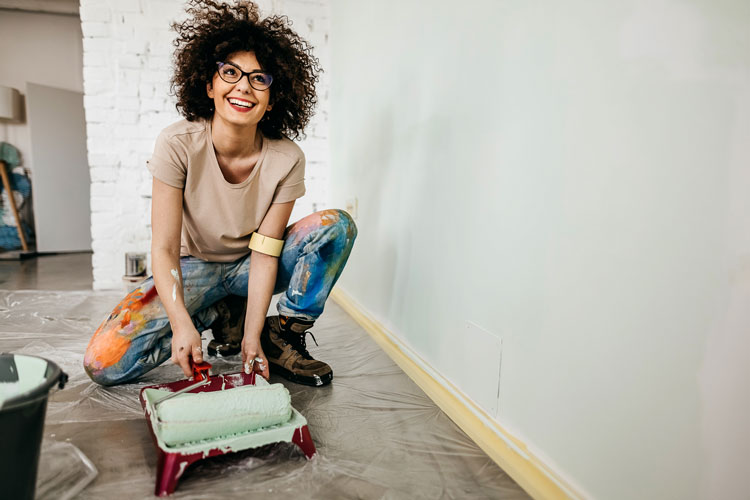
(10, 103)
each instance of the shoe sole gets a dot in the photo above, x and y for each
(316, 381)
(223, 350)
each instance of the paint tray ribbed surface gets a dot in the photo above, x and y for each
(231, 413)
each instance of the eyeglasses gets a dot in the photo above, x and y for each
(230, 73)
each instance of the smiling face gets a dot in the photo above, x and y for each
(239, 104)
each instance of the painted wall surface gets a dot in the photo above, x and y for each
(38, 48)
(572, 178)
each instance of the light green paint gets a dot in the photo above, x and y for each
(31, 374)
(183, 435)
(209, 415)
(572, 176)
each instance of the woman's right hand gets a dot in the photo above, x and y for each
(186, 345)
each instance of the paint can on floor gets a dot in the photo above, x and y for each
(135, 270)
(135, 264)
(25, 383)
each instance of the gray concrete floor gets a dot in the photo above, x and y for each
(378, 435)
(69, 271)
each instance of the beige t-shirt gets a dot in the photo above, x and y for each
(218, 217)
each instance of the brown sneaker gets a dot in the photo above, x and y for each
(283, 342)
(228, 328)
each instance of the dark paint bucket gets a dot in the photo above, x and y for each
(25, 382)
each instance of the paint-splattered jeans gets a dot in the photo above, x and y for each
(137, 337)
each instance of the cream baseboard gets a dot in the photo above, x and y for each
(510, 453)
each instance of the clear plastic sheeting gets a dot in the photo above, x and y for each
(377, 434)
(63, 471)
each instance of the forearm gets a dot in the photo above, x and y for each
(260, 284)
(168, 281)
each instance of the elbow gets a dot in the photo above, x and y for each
(163, 256)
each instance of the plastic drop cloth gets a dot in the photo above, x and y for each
(63, 471)
(377, 435)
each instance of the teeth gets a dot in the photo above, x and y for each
(244, 104)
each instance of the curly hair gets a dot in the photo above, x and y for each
(213, 31)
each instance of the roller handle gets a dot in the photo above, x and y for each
(201, 371)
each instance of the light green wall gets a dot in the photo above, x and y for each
(574, 177)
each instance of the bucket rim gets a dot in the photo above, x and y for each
(53, 376)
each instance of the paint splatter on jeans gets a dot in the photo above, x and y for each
(136, 337)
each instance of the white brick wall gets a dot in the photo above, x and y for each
(127, 47)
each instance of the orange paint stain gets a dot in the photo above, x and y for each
(134, 301)
(306, 279)
(106, 348)
(328, 217)
(304, 226)
(125, 319)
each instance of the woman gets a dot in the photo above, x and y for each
(225, 182)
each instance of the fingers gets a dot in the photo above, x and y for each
(261, 366)
(248, 360)
(257, 365)
(184, 361)
(264, 370)
(197, 354)
(253, 358)
(249, 354)
(185, 350)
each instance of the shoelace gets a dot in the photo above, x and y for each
(300, 345)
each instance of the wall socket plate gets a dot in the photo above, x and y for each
(352, 204)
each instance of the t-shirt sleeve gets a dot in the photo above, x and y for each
(293, 185)
(168, 163)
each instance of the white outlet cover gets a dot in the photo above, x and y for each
(480, 355)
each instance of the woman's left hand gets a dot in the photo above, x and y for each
(253, 357)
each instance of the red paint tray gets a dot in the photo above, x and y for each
(173, 460)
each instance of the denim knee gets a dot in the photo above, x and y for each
(111, 371)
(347, 222)
(105, 376)
(344, 223)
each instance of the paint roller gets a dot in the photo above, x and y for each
(184, 417)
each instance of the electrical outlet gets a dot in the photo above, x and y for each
(351, 206)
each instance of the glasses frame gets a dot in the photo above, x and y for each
(220, 64)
